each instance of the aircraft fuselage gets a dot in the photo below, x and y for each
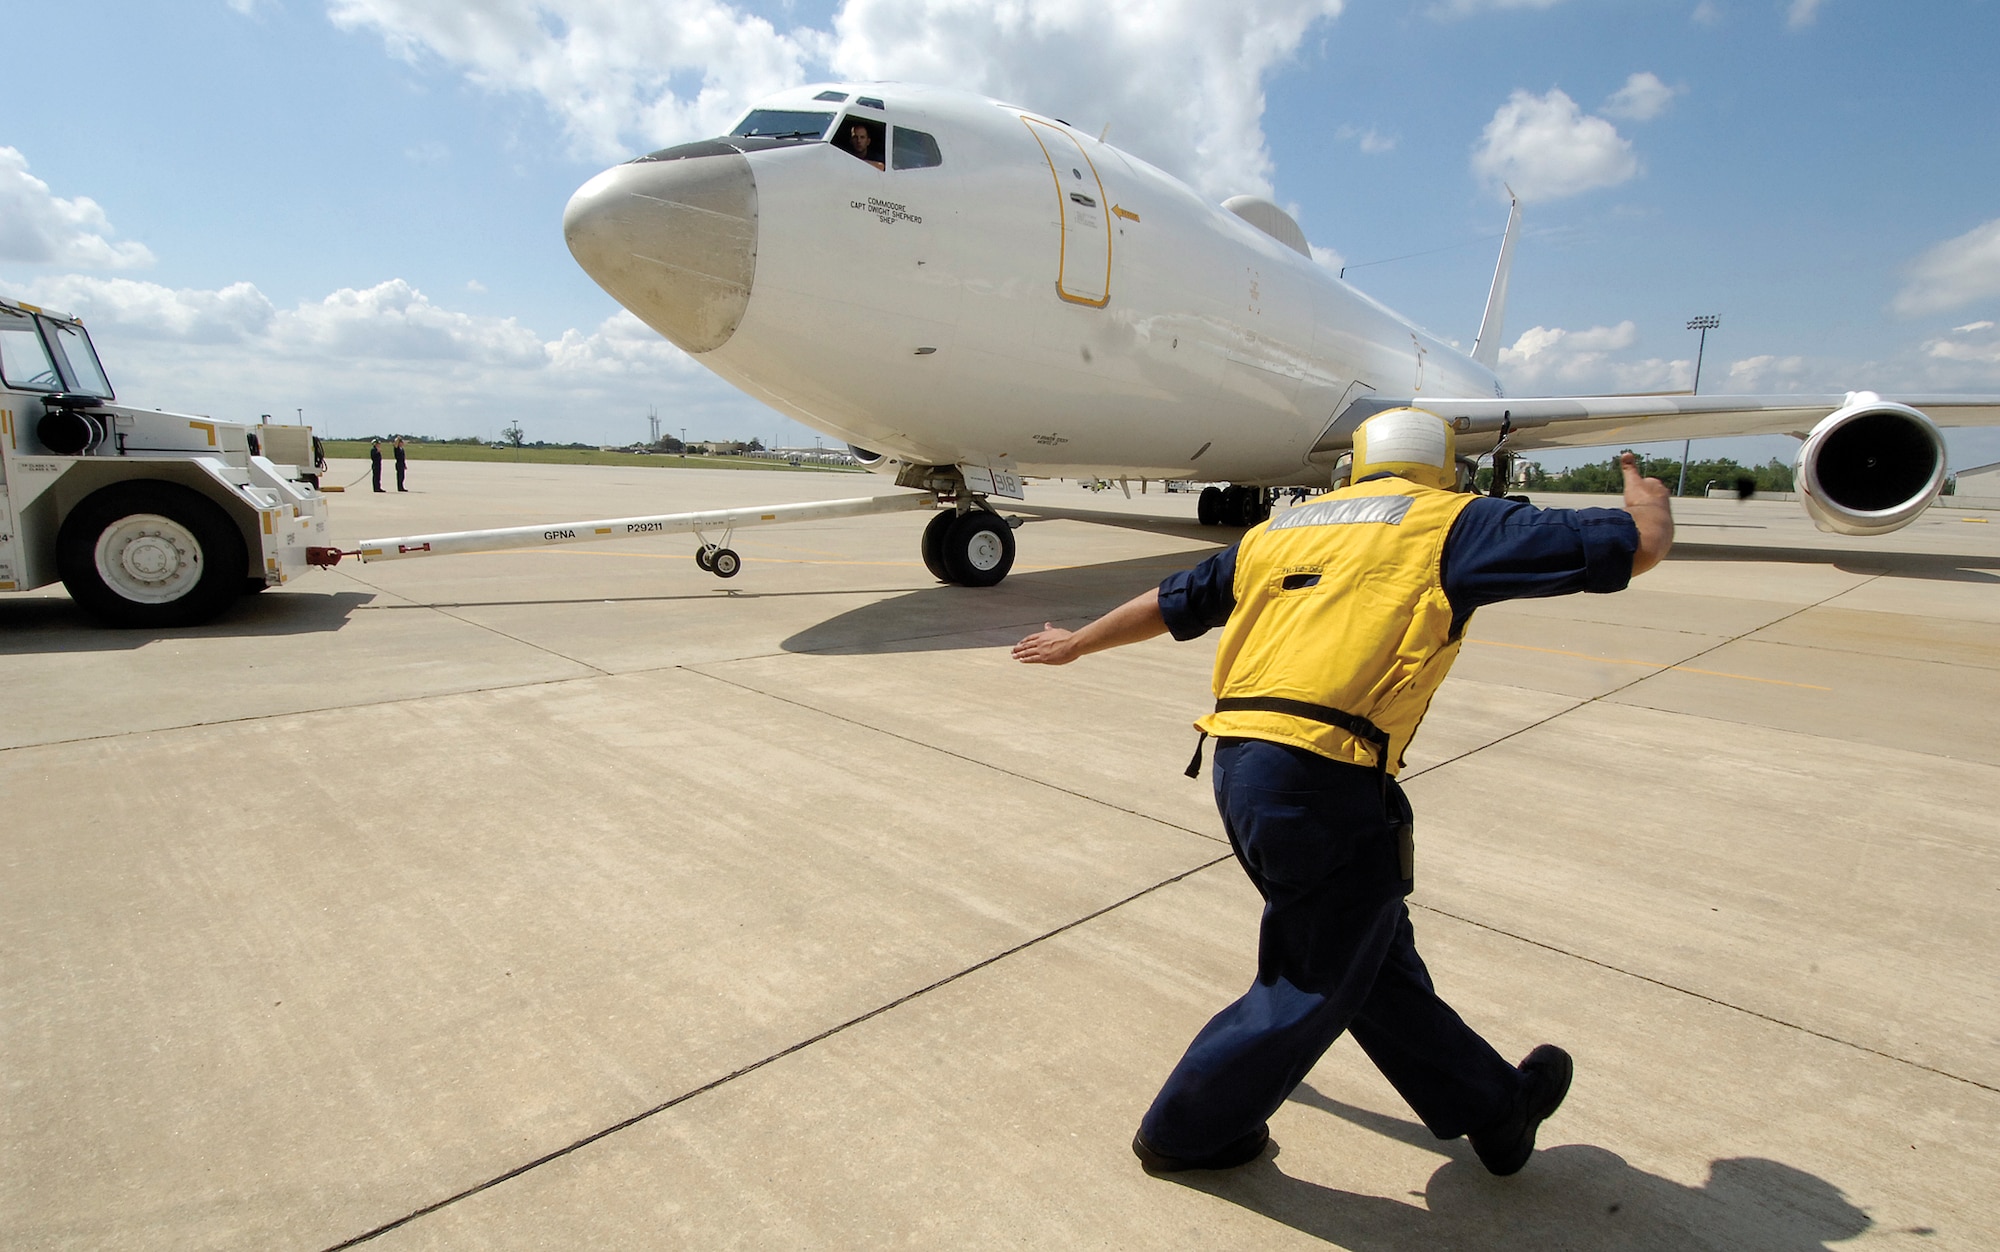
(1004, 291)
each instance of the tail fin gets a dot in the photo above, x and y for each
(1486, 348)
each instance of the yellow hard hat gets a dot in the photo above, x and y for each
(1410, 443)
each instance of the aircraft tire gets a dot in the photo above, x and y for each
(151, 555)
(1209, 507)
(704, 559)
(725, 563)
(933, 545)
(978, 549)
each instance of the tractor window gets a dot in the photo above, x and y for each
(860, 137)
(84, 371)
(916, 150)
(24, 359)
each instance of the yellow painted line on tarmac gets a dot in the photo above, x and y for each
(1616, 660)
(1977, 521)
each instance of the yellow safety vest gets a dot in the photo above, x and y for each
(1340, 608)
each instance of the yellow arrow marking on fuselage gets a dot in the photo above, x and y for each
(1124, 212)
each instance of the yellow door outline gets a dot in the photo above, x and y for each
(1062, 211)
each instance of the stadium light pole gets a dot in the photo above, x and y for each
(1704, 324)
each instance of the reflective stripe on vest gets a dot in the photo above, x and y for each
(1340, 605)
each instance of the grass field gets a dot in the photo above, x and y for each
(575, 456)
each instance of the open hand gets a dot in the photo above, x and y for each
(1048, 646)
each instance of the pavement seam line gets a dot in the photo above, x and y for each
(957, 756)
(1706, 998)
(774, 1057)
(466, 621)
(1601, 696)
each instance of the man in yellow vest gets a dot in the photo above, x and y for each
(1339, 619)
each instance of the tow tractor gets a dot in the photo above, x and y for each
(155, 519)
(150, 519)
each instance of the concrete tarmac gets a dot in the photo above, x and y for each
(576, 897)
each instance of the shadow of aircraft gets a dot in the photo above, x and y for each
(1570, 1196)
(943, 618)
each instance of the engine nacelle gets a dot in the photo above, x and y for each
(1871, 467)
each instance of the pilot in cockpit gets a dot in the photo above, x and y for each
(862, 140)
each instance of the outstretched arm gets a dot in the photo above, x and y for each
(1646, 499)
(1131, 622)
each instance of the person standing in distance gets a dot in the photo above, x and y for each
(1339, 619)
(402, 464)
(375, 462)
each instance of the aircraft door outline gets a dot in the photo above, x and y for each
(1080, 276)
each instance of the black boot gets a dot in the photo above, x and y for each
(1505, 1146)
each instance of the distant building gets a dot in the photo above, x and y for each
(1980, 482)
(718, 447)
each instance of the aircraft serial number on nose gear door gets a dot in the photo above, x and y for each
(888, 210)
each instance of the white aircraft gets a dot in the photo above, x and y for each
(971, 293)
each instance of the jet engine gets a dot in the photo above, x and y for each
(1871, 467)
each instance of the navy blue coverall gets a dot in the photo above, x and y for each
(1335, 950)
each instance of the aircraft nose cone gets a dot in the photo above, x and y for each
(673, 240)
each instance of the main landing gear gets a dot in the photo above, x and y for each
(974, 548)
(1233, 506)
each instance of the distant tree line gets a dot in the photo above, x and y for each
(1605, 478)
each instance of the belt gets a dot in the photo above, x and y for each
(1353, 723)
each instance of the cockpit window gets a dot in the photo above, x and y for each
(860, 137)
(835, 96)
(782, 124)
(869, 102)
(84, 371)
(916, 150)
(24, 359)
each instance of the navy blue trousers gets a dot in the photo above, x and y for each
(1335, 953)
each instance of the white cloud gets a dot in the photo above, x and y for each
(626, 76)
(1545, 147)
(1973, 344)
(622, 345)
(1587, 362)
(1328, 257)
(608, 68)
(41, 228)
(1642, 98)
(231, 314)
(387, 357)
(1802, 13)
(394, 321)
(1954, 274)
(1706, 14)
(1767, 373)
(1370, 141)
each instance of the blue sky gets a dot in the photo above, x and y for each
(352, 207)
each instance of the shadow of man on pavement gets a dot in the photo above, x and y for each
(1570, 1196)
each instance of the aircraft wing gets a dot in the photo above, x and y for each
(1590, 421)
